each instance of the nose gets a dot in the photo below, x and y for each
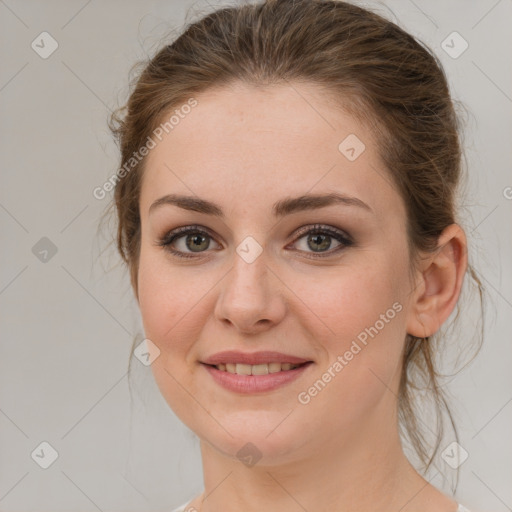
(251, 297)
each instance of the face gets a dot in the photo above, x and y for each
(326, 283)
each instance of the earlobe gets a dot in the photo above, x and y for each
(441, 278)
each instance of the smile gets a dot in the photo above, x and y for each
(255, 369)
(258, 378)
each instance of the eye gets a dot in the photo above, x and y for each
(319, 239)
(195, 238)
(185, 241)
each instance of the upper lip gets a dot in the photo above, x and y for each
(235, 356)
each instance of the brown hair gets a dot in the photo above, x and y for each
(376, 71)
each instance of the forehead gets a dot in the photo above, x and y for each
(244, 145)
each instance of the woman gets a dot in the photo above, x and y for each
(286, 210)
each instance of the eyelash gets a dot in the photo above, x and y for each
(316, 229)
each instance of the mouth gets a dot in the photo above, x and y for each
(256, 369)
(242, 378)
(254, 372)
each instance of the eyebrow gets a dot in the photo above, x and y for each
(281, 208)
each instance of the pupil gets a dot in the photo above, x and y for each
(196, 242)
(317, 239)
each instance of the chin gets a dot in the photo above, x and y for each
(261, 438)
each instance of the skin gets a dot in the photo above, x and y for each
(245, 148)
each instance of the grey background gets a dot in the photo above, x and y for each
(67, 324)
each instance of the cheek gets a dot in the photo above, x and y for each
(170, 307)
(173, 303)
(155, 295)
(345, 301)
(163, 299)
(362, 328)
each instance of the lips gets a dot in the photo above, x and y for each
(256, 372)
(259, 381)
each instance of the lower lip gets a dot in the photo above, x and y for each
(255, 383)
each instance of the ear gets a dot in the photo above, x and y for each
(439, 283)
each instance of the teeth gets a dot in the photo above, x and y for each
(274, 367)
(255, 369)
(243, 369)
(259, 369)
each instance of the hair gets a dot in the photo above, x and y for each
(374, 70)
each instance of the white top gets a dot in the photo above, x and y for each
(183, 509)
